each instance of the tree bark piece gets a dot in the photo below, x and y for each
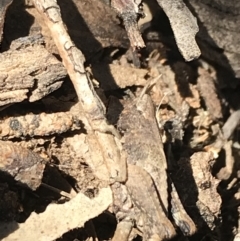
(40, 125)
(184, 26)
(28, 71)
(128, 10)
(24, 165)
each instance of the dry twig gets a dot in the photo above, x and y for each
(102, 135)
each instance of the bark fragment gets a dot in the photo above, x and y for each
(24, 165)
(128, 10)
(28, 71)
(184, 26)
(39, 125)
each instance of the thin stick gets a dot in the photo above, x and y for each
(101, 134)
(62, 193)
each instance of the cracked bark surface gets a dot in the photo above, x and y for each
(28, 71)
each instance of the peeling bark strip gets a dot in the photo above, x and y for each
(92, 106)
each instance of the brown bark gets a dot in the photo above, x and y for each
(28, 71)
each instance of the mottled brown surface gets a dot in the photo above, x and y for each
(200, 176)
(44, 124)
(143, 144)
(25, 166)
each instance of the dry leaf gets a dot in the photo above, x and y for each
(58, 218)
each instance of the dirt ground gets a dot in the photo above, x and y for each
(43, 133)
